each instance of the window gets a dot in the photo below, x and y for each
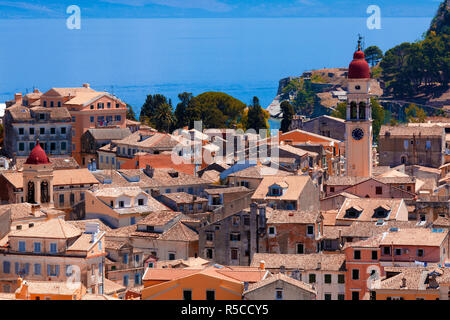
(398, 252)
(31, 131)
(379, 190)
(117, 106)
(52, 146)
(22, 246)
(428, 145)
(125, 280)
(331, 189)
(271, 231)
(37, 269)
(132, 220)
(63, 130)
(37, 247)
(53, 270)
(341, 296)
(374, 255)
(53, 248)
(235, 237)
(61, 200)
(187, 295)
(327, 296)
(355, 295)
(52, 130)
(140, 202)
(341, 278)
(6, 267)
(92, 119)
(355, 274)
(21, 131)
(125, 258)
(171, 256)
(209, 236)
(300, 248)
(236, 220)
(121, 204)
(21, 146)
(312, 278)
(210, 295)
(209, 253)
(357, 254)
(386, 250)
(279, 294)
(420, 252)
(327, 278)
(137, 278)
(118, 118)
(310, 230)
(234, 254)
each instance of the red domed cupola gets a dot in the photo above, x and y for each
(37, 155)
(359, 68)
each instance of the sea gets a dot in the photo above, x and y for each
(132, 58)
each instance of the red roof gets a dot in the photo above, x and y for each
(359, 68)
(37, 156)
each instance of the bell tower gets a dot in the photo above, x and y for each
(38, 178)
(358, 143)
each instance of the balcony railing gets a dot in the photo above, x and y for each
(106, 124)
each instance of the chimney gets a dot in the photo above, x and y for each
(149, 171)
(262, 265)
(86, 85)
(34, 209)
(18, 98)
(403, 283)
(92, 228)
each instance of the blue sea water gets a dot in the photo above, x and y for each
(136, 57)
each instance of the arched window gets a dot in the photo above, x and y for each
(362, 111)
(353, 111)
(45, 197)
(30, 195)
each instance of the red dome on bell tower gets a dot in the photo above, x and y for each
(359, 68)
(37, 155)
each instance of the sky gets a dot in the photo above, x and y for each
(215, 8)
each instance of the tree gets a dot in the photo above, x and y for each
(181, 116)
(151, 104)
(163, 118)
(378, 117)
(215, 109)
(373, 55)
(130, 113)
(340, 111)
(288, 114)
(414, 114)
(257, 117)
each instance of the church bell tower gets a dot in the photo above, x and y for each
(358, 143)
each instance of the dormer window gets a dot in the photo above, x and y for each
(276, 190)
(353, 212)
(381, 212)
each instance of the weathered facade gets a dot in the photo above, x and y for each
(234, 239)
(423, 146)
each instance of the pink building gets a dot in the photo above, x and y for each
(88, 109)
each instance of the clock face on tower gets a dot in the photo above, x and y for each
(358, 134)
